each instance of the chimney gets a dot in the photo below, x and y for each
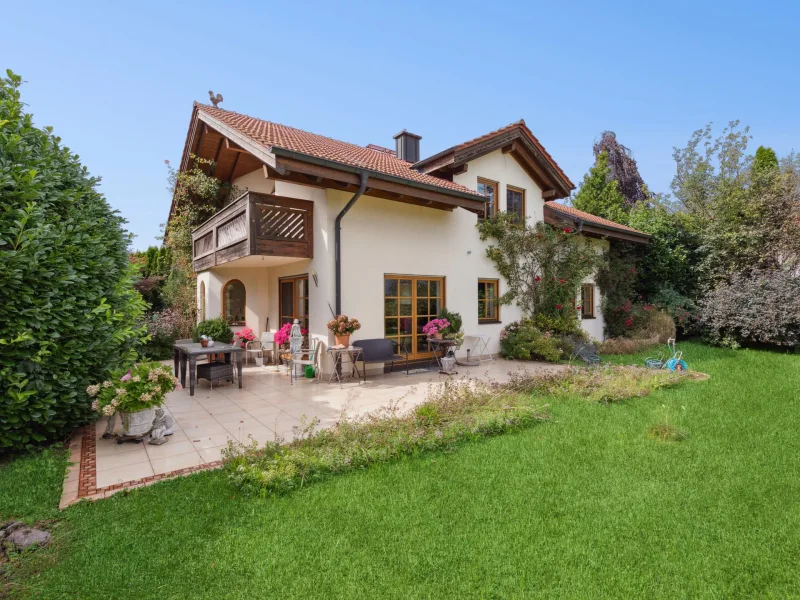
(407, 146)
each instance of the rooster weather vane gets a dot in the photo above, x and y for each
(214, 99)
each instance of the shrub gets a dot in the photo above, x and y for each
(683, 310)
(522, 340)
(69, 313)
(761, 308)
(217, 329)
(164, 328)
(622, 345)
(653, 324)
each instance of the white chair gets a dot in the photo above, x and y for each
(311, 361)
(253, 347)
(268, 345)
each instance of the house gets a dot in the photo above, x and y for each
(324, 226)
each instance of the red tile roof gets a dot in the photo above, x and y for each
(521, 125)
(574, 213)
(270, 134)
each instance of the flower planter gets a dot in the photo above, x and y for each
(343, 340)
(437, 336)
(139, 423)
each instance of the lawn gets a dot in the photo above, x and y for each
(587, 505)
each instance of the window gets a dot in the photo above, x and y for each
(515, 202)
(201, 309)
(488, 306)
(409, 302)
(293, 300)
(233, 302)
(587, 301)
(489, 189)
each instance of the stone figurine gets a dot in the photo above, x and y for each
(162, 427)
(112, 422)
(295, 338)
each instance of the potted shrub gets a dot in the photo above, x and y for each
(135, 395)
(433, 329)
(342, 326)
(453, 331)
(215, 329)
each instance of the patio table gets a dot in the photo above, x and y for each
(181, 353)
(355, 353)
(445, 347)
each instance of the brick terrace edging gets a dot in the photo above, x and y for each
(85, 442)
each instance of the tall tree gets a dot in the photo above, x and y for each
(599, 194)
(622, 168)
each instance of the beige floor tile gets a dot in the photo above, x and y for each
(236, 415)
(105, 461)
(200, 430)
(211, 441)
(264, 411)
(173, 463)
(211, 454)
(169, 448)
(124, 474)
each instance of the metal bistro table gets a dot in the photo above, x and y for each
(183, 352)
(338, 355)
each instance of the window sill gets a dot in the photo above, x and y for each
(587, 318)
(489, 322)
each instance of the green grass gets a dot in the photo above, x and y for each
(588, 505)
(31, 484)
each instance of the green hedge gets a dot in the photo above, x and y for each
(69, 313)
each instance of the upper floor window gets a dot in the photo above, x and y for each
(515, 202)
(489, 189)
(587, 301)
(233, 302)
(488, 305)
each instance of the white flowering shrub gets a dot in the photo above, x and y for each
(143, 386)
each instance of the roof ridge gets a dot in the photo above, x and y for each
(565, 209)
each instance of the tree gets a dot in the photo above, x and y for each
(69, 314)
(599, 194)
(622, 169)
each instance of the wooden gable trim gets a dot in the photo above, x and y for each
(241, 140)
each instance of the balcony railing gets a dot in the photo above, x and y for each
(255, 225)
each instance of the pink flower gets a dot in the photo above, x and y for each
(629, 322)
(567, 229)
(126, 377)
(538, 278)
(559, 306)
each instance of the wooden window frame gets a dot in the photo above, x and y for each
(496, 317)
(496, 185)
(201, 312)
(524, 207)
(587, 314)
(294, 279)
(225, 302)
(442, 304)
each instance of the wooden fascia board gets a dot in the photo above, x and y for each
(240, 140)
(375, 182)
(555, 218)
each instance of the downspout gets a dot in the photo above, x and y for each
(338, 239)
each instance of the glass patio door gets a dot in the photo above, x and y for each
(293, 300)
(410, 301)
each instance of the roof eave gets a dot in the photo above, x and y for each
(619, 233)
(278, 151)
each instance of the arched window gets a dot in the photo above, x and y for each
(201, 303)
(233, 302)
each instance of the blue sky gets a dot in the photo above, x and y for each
(117, 80)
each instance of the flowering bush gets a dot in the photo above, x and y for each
(243, 336)
(283, 334)
(435, 326)
(343, 325)
(142, 387)
(522, 340)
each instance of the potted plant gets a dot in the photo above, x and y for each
(342, 326)
(433, 329)
(135, 395)
(453, 331)
(282, 339)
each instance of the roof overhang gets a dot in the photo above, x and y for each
(516, 141)
(591, 229)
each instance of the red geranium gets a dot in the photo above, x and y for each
(558, 306)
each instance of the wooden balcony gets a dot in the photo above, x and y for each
(255, 225)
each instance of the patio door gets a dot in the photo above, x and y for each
(293, 300)
(410, 301)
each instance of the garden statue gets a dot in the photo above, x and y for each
(112, 422)
(295, 338)
(162, 427)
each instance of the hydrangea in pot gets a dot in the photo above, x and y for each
(135, 395)
(433, 329)
(342, 326)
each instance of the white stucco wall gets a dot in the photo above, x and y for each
(382, 237)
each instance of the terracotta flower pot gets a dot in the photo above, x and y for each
(437, 336)
(343, 340)
(204, 343)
